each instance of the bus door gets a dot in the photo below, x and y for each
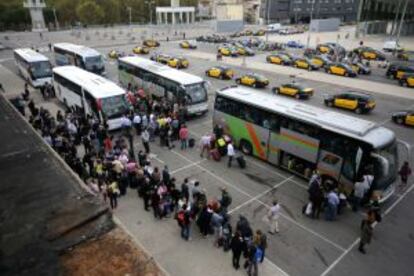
(273, 152)
(330, 164)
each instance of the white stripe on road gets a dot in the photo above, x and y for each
(188, 166)
(332, 266)
(259, 195)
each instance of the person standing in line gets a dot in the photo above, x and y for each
(237, 245)
(332, 206)
(366, 231)
(183, 217)
(260, 240)
(230, 153)
(404, 173)
(273, 216)
(205, 142)
(225, 200)
(252, 269)
(113, 192)
(137, 123)
(183, 134)
(145, 137)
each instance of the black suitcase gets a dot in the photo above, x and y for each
(191, 143)
(241, 161)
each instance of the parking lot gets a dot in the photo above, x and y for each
(304, 246)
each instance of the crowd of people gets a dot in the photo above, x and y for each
(108, 165)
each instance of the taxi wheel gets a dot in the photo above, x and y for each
(238, 81)
(309, 68)
(358, 110)
(276, 90)
(254, 85)
(346, 74)
(330, 104)
(400, 121)
(329, 71)
(295, 65)
(297, 96)
(221, 76)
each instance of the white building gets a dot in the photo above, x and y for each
(36, 13)
(175, 14)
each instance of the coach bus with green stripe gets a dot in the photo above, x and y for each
(301, 138)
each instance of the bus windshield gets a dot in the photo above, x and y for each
(385, 163)
(95, 62)
(41, 69)
(114, 107)
(196, 93)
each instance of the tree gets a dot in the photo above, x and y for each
(111, 9)
(65, 9)
(89, 12)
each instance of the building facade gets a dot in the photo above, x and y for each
(300, 11)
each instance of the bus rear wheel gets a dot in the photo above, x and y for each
(246, 147)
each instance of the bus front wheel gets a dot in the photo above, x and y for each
(246, 147)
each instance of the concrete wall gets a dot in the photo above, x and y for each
(229, 12)
(228, 26)
(325, 25)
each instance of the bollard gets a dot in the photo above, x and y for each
(105, 35)
(87, 37)
(112, 37)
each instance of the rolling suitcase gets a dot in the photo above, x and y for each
(191, 143)
(241, 161)
(215, 154)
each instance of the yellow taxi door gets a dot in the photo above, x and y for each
(409, 120)
(410, 81)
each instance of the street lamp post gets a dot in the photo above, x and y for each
(268, 6)
(130, 15)
(150, 3)
(310, 21)
(56, 20)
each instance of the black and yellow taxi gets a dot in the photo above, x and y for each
(188, 44)
(253, 79)
(178, 62)
(325, 48)
(407, 80)
(397, 71)
(220, 72)
(355, 101)
(340, 69)
(305, 63)
(294, 90)
(247, 32)
(369, 53)
(259, 32)
(227, 50)
(152, 43)
(161, 58)
(114, 54)
(321, 60)
(406, 55)
(360, 68)
(243, 50)
(280, 59)
(141, 50)
(404, 117)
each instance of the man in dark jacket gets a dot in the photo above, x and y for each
(236, 245)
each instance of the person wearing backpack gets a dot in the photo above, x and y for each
(260, 240)
(183, 219)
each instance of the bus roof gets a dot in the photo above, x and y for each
(162, 70)
(30, 55)
(96, 85)
(79, 49)
(347, 125)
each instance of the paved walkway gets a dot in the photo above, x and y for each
(352, 83)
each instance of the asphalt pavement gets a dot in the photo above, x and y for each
(304, 246)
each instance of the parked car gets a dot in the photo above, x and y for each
(294, 44)
(340, 69)
(407, 80)
(369, 53)
(305, 63)
(141, 50)
(253, 79)
(294, 90)
(220, 72)
(152, 43)
(188, 44)
(404, 117)
(280, 59)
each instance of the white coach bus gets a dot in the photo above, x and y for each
(163, 81)
(94, 94)
(33, 66)
(81, 56)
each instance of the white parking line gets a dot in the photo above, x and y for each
(188, 166)
(259, 195)
(332, 266)
(264, 204)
